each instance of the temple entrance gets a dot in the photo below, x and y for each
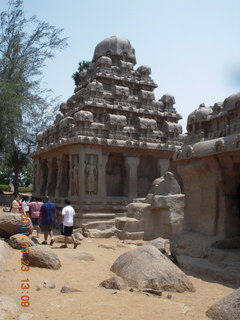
(115, 175)
(232, 200)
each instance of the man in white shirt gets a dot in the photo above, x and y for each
(67, 224)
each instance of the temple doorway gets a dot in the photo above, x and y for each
(115, 175)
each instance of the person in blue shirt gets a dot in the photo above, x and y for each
(48, 218)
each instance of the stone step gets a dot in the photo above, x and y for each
(96, 216)
(208, 268)
(98, 224)
(95, 233)
(124, 235)
(128, 224)
(226, 257)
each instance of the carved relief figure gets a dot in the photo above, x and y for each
(91, 174)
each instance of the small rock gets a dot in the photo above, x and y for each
(114, 283)
(66, 289)
(169, 296)
(106, 247)
(152, 291)
(49, 284)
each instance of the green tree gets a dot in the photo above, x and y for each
(25, 45)
(83, 65)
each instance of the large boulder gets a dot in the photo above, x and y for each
(42, 257)
(147, 267)
(17, 240)
(227, 308)
(12, 223)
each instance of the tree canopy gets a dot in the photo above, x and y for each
(83, 65)
(26, 107)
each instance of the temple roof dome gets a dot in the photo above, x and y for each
(115, 46)
(201, 114)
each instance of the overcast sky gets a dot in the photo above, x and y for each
(192, 46)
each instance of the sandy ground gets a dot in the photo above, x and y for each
(94, 302)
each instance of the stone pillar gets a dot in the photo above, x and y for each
(163, 165)
(81, 175)
(102, 188)
(59, 177)
(49, 165)
(131, 164)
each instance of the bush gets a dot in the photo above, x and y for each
(24, 189)
(4, 187)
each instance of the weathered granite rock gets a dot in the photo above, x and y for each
(82, 256)
(146, 267)
(17, 240)
(165, 185)
(12, 223)
(227, 308)
(158, 215)
(8, 307)
(42, 257)
(5, 252)
(116, 283)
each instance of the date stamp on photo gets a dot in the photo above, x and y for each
(25, 283)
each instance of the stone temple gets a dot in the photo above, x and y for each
(110, 140)
(209, 166)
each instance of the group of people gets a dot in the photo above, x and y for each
(43, 215)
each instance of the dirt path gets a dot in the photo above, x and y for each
(94, 302)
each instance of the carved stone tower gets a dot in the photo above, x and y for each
(111, 139)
